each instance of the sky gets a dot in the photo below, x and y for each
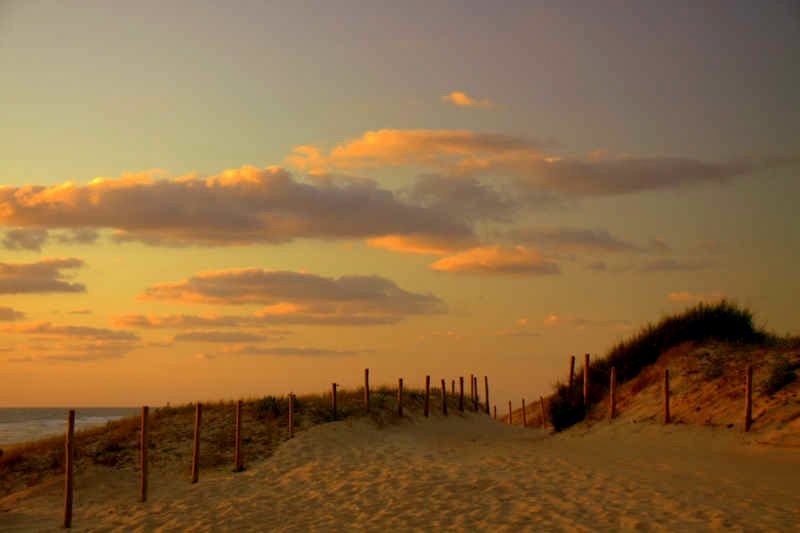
(206, 201)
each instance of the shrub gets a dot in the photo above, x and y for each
(565, 412)
(781, 374)
(269, 407)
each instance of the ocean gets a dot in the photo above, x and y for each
(20, 424)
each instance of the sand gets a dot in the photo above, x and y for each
(460, 473)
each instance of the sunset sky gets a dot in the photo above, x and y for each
(201, 201)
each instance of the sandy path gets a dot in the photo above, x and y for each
(457, 474)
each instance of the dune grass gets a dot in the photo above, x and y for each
(723, 321)
(171, 431)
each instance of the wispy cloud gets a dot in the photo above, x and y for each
(219, 336)
(498, 260)
(687, 297)
(9, 315)
(25, 239)
(300, 297)
(671, 265)
(566, 239)
(47, 329)
(460, 99)
(43, 276)
(289, 351)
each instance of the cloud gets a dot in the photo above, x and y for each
(49, 330)
(670, 265)
(463, 153)
(299, 351)
(42, 276)
(9, 315)
(464, 197)
(240, 206)
(558, 320)
(299, 297)
(95, 350)
(412, 245)
(573, 239)
(686, 297)
(497, 260)
(659, 245)
(80, 311)
(78, 236)
(25, 239)
(706, 246)
(218, 336)
(460, 99)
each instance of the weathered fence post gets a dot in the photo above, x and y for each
(495, 412)
(586, 380)
(510, 420)
(68, 444)
(453, 388)
(444, 397)
(427, 395)
(333, 400)
(461, 393)
(366, 389)
(472, 387)
(524, 416)
(196, 448)
(400, 397)
(237, 455)
(475, 396)
(486, 389)
(666, 396)
(541, 405)
(748, 401)
(143, 457)
(612, 407)
(291, 415)
(571, 377)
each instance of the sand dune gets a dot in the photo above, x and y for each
(461, 473)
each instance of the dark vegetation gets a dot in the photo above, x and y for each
(723, 321)
(171, 431)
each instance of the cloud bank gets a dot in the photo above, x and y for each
(43, 276)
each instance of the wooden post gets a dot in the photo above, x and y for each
(68, 468)
(510, 420)
(586, 380)
(291, 415)
(475, 396)
(143, 457)
(453, 388)
(666, 396)
(486, 389)
(612, 409)
(571, 377)
(541, 406)
(471, 387)
(524, 416)
(748, 398)
(427, 395)
(400, 397)
(495, 412)
(237, 453)
(444, 397)
(333, 400)
(366, 389)
(461, 393)
(196, 449)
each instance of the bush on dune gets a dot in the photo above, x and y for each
(723, 321)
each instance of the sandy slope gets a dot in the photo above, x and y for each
(465, 473)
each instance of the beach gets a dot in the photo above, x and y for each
(462, 473)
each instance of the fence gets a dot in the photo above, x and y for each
(292, 411)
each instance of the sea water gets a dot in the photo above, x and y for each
(20, 424)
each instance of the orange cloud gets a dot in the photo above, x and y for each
(43, 276)
(239, 206)
(284, 351)
(47, 329)
(9, 315)
(294, 297)
(686, 297)
(498, 260)
(460, 99)
(412, 245)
